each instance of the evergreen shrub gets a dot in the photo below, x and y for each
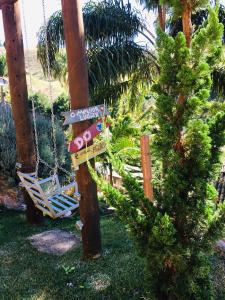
(177, 231)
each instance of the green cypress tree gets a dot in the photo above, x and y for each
(177, 231)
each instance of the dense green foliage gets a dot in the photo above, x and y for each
(176, 232)
(3, 66)
(7, 143)
(43, 106)
(198, 18)
(44, 129)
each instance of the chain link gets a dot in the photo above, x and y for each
(50, 91)
(38, 158)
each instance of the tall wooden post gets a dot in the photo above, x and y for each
(78, 88)
(19, 97)
(146, 167)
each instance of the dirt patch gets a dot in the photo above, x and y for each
(221, 245)
(10, 197)
(55, 241)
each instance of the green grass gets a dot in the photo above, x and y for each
(26, 273)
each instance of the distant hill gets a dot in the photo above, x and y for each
(38, 81)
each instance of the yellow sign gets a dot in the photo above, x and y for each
(88, 153)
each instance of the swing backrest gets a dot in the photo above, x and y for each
(41, 190)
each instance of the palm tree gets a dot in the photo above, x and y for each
(155, 5)
(197, 19)
(115, 60)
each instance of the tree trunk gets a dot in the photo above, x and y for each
(110, 174)
(19, 97)
(162, 16)
(187, 29)
(187, 26)
(78, 88)
(146, 167)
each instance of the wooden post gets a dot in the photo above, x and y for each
(146, 167)
(19, 97)
(78, 88)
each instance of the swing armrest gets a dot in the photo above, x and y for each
(69, 186)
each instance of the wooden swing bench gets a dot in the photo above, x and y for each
(49, 196)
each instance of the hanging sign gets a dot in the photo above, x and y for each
(88, 153)
(89, 134)
(88, 113)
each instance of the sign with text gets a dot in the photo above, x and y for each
(89, 134)
(88, 113)
(88, 153)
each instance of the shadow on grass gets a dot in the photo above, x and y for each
(26, 273)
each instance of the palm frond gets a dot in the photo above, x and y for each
(115, 69)
(54, 33)
(110, 21)
(108, 63)
(106, 22)
(150, 4)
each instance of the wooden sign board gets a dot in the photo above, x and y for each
(88, 153)
(88, 113)
(88, 135)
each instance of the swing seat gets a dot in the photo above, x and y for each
(49, 196)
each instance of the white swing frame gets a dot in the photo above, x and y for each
(54, 204)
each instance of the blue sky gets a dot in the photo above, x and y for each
(34, 16)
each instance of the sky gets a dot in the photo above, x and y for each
(33, 16)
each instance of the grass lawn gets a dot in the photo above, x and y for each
(27, 274)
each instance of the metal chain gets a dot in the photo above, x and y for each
(38, 158)
(56, 167)
(32, 99)
(59, 167)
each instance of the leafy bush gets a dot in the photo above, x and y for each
(44, 128)
(43, 106)
(41, 103)
(7, 142)
(177, 231)
(61, 104)
(3, 66)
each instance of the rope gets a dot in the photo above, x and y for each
(32, 99)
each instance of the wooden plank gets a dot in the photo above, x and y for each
(45, 180)
(55, 208)
(35, 193)
(88, 153)
(69, 186)
(85, 137)
(26, 177)
(35, 198)
(44, 210)
(58, 203)
(71, 199)
(64, 211)
(62, 198)
(74, 198)
(31, 186)
(88, 113)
